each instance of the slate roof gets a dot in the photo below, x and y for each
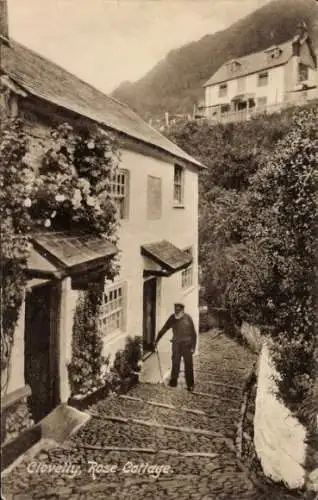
(252, 63)
(46, 80)
(167, 255)
(69, 250)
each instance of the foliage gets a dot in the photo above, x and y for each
(128, 360)
(16, 181)
(90, 371)
(283, 196)
(73, 185)
(257, 231)
(70, 191)
(232, 153)
(175, 84)
(87, 360)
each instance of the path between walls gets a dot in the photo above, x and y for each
(155, 442)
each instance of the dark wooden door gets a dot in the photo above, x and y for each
(41, 348)
(149, 314)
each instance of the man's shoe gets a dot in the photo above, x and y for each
(172, 383)
(191, 388)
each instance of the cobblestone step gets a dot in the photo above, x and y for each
(99, 474)
(177, 415)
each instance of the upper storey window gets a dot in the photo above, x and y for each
(178, 186)
(262, 79)
(223, 90)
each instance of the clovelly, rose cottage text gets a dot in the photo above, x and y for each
(96, 469)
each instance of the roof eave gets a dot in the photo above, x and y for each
(217, 82)
(193, 163)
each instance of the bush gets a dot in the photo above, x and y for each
(282, 289)
(128, 360)
(85, 369)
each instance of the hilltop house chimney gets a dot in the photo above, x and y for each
(4, 29)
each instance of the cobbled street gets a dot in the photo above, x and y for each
(220, 370)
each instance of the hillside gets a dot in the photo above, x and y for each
(175, 83)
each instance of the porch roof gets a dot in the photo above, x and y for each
(55, 255)
(243, 97)
(165, 258)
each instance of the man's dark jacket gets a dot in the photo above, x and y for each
(183, 330)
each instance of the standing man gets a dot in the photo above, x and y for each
(183, 344)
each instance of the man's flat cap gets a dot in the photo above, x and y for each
(179, 304)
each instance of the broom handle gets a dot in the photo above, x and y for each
(160, 370)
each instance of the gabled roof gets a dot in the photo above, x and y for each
(46, 80)
(253, 63)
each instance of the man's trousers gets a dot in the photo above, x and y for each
(182, 351)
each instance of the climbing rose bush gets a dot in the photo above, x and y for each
(70, 190)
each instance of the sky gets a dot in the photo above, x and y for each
(106, 42)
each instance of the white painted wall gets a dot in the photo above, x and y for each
(274, 90)
(279, 437)
(177, 225)
(16, 370)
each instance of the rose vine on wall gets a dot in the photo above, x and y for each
(70, 191)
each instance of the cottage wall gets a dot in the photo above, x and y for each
(177, 225)
(16, 370)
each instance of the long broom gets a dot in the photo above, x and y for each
(159, 364)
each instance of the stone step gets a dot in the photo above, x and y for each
(105, 433)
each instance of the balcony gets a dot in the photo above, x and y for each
(217, 114)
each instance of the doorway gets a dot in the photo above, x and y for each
(41, 348)
(149, 314)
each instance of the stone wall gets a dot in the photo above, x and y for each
(279, 438)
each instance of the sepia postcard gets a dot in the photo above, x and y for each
(158, 197)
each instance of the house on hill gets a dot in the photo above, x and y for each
(264, 81)
(156, 190)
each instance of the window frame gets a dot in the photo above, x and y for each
(301, 68)
(262, 79)
(122, 209)
(223, 90)
(104, 314)
(180, 185)
(187, 274)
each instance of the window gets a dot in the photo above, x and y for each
(223, 90)
(263, 79)
(262, 102)
(111, 316)
(302, 72)
(119, 190)
(241, 85)
(187, 274)
(154, 197)
(178, 186)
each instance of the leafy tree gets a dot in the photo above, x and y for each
(283, 196)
